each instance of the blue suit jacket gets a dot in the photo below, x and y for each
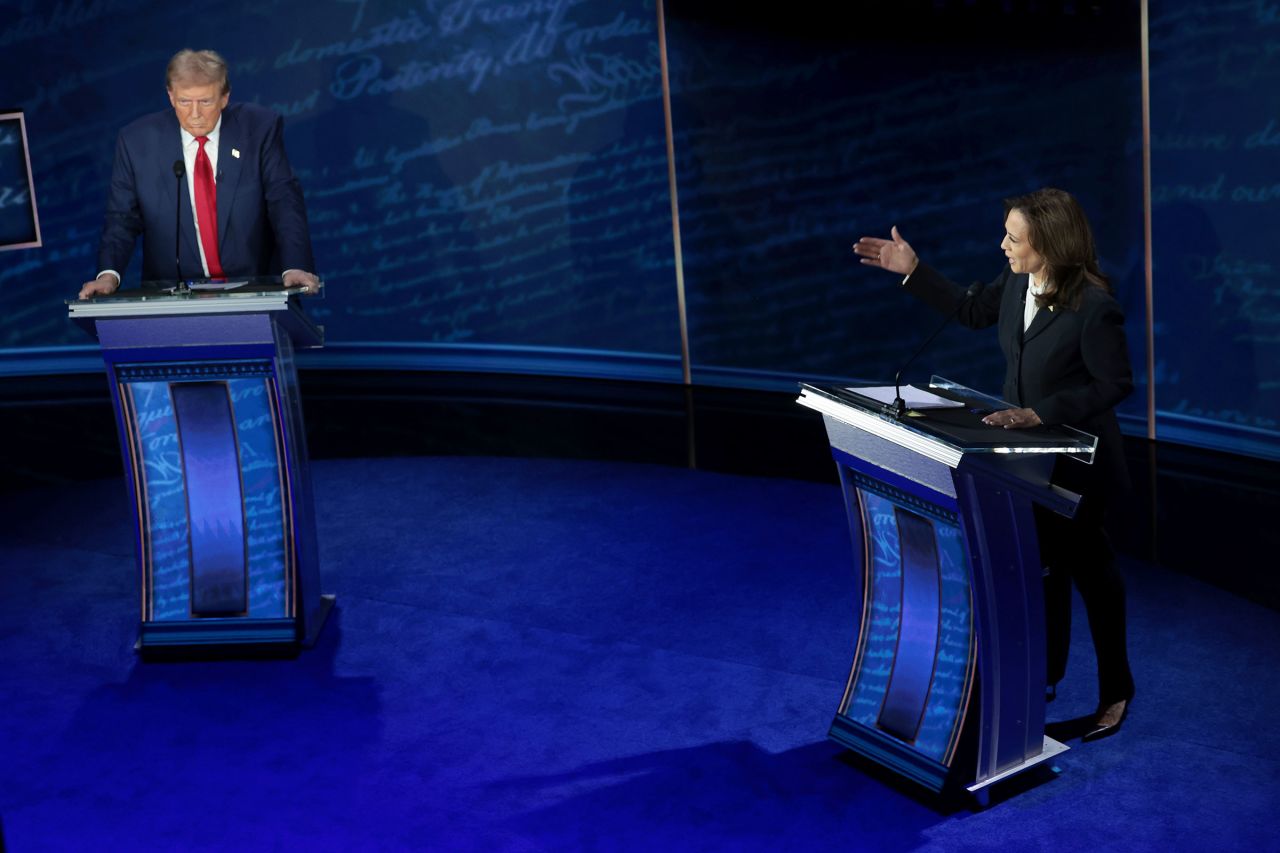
(262, 220)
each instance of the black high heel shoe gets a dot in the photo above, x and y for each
(1100, 729)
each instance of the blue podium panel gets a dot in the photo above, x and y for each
(211, 431)
(215, 499)
(947, 682)
(225, 499)
(914, 663)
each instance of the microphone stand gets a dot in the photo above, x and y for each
(179, 172)
(898, 408)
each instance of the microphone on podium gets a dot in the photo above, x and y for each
(898, 408)
(179, 172)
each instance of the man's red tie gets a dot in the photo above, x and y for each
(207, 209)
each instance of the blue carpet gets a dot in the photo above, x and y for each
(563, 655)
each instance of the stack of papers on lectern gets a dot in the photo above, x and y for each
(217, 284)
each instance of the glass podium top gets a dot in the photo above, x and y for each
(232, 289)
(946, 424)
(247, 295)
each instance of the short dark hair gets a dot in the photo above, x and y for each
(1059, 231)
(202, 67)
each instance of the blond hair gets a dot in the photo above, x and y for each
(197, 67)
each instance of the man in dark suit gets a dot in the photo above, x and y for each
(217, 173)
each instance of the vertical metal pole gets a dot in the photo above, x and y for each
(1146, 221)
(686, 372)
(1152, 457)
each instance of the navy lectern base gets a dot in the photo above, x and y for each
(244, 638)
(982, 790)
(210, 422)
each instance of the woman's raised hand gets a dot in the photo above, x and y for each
(894, 254)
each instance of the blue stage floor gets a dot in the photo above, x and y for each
(568, 655)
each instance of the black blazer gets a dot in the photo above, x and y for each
(1070, 367)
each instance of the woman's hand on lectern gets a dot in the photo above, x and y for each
(894, 254)
(1013, 419)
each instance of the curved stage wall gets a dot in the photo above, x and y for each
(488, 181)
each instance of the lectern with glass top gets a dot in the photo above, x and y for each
(210, 423)
(948, 677)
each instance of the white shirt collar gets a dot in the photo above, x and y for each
(1029, 308)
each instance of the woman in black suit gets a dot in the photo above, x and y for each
(1062, 333)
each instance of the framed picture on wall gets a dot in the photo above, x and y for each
(19, 222)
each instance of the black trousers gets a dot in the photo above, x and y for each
(1078, 551)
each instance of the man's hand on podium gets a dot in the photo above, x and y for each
(100, 286)
(309, 282)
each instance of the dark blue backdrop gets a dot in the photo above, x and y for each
(1215, 146)
(792, 139)
(490, 178)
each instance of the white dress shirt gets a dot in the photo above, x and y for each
(1029, 309)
